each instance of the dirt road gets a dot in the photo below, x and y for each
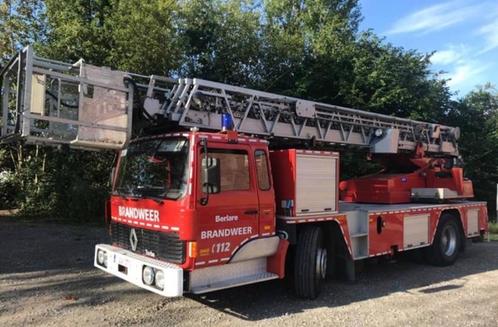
(47, 278)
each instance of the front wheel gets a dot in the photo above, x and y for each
(447, 242)
(310, 264)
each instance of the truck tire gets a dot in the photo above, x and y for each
(447, 242)
(310, 264)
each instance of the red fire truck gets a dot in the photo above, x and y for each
(226, 186)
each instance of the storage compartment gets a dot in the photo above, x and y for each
(415, 231)
(473, 222)
(306, 182)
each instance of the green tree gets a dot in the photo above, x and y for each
(21, 23)
(221, 40)
(130, 35)
(477, 116)
(77, 29)
(306, 44)
(73, 185)
(394, 81)
(313, 49)
(144, 36)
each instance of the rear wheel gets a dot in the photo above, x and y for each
(310, 264)
(447, 242)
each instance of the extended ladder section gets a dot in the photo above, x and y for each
(93, 107)
(200, 103)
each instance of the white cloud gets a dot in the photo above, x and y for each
(466, 75)
(445, 57)
(464, 65)
(490, 34)
(437, 17)
(453, 54)
(464, 69)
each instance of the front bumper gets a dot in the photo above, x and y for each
(129, 266)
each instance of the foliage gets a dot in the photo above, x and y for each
(129, 35)
(477, 116)
(8, 189)
(48, 182)
(220, 40)
(21, 22)
(393, 81)
(144, 38)
(77, 29)
(307, 48)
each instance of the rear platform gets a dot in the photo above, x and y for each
(51, 102)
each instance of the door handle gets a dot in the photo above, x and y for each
(251, 212)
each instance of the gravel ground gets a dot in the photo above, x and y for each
(47, 278)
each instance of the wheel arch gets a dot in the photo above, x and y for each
(334, 234)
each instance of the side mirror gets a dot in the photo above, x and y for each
(211, 182)
(111, 177)
(448, 164)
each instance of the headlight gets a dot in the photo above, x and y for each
(148, 275)
(160, 279)
(102, 258)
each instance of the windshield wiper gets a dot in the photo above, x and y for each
(155, 198)
(150, 192)
(132, 195)
(122, 191)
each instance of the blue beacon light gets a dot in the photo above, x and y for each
(226, 122)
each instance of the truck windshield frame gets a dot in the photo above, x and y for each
(154, 168)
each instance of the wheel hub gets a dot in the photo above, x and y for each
(321, 263)
(448, 240)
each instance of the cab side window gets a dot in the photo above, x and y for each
(262, 170)
(234, 169)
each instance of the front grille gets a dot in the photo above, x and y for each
(165, 246)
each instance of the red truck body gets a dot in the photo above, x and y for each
(242, 233)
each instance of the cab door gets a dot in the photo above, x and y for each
(266, 195)
(230, 216)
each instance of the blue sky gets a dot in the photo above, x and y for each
(463, 32)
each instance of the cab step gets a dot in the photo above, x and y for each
(245, 280)
(230, 275)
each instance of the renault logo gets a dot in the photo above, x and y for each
(133, 239)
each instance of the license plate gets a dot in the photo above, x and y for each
(123, 261)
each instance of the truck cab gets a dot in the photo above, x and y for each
(191, 200)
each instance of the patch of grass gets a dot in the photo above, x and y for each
(493, 231)
(493, 228)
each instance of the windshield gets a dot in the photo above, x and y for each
(154, 168)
